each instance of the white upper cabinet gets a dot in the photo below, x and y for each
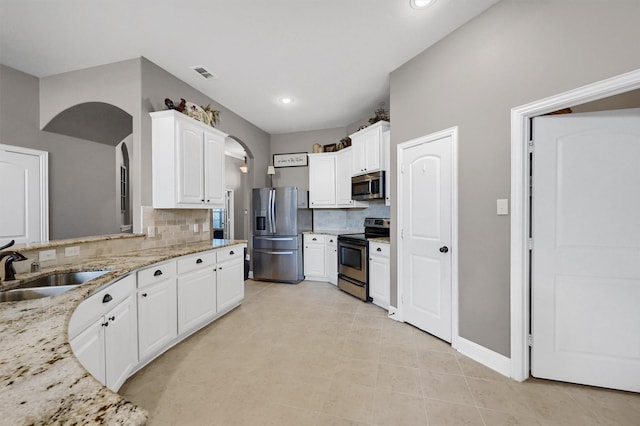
(188, 162)
(368, 149)
(322, 180)
(330, 180)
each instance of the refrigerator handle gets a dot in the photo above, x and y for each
(273, 212)
(269, 215)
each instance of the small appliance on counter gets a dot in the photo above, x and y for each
(353, 257)
(280, 215)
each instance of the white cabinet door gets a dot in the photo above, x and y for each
(157, 317)
(190, 166)
(372, 150)
(230, 283)
(322, 180)
(331, 258)
(214, 169)
(121, 349)
(196, 298)
(314, 256)
(343, 177)
(368, 154)
(88, 347)
(379, 274)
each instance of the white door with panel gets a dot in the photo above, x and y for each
(190, 167)
(322, 180)
(214, 162)
(230, 282)
(586, 249)
(121, 342)
(23, 173)
(426, 235)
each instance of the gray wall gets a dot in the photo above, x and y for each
(515, 53)
(299, 142)
(82, 187)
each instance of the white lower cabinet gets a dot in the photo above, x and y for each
(157, 308)
(314, 257)
(106, 345)
(230, 278)
(331, 258)
(379, 274)
(128, 323)
(196, 290)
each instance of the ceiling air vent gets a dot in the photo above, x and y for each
(203, 72)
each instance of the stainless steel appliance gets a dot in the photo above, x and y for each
(280, 215)
(353, 257)
(369, 186)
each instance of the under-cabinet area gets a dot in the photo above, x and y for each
(124, 326)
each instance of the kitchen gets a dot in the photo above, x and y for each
(482, 82)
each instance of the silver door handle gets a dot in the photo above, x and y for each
(279, 252)
(276, 238)
(273, 212)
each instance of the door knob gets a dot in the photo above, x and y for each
(444, 249)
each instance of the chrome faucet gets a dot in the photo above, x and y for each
(7, 264)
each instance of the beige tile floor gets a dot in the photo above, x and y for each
(309, 354)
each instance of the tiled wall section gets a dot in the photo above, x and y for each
(347, 219)
(175, 226)
(171, 227)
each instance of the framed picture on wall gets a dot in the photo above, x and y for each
(295, 159)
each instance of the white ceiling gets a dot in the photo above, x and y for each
(333, 57)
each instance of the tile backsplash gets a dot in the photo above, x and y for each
(348, 219)
(175, 226)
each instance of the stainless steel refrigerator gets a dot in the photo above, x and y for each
(280, 215)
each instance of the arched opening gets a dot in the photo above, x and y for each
(85, 171)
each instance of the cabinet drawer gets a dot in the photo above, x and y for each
(156, 273)
(314, 238)
(230, 253)
(378, 249)
(331, 240)
(99, 303)
(196, 261)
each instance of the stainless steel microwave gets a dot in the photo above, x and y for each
(369, 186)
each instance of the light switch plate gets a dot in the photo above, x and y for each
(195, 227)
(72, 251)
(502, 207)
(151, 231)
(45, 255)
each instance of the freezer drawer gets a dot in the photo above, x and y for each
(277, 265)
(284, 242)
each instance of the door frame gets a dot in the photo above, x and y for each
(520, 206)
(453, 133)
(229, 200)
(43, 157)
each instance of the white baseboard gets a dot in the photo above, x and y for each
(393, 313)
(484, 356)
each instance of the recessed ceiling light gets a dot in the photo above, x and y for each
(421, 4)
(286, 100)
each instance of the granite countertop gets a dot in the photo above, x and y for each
(334, 232)
(41, 381)
(385, 240)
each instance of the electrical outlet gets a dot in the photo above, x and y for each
(151, 231)
(45, 255)
(72, 251)
(205, 229)
(195, 227)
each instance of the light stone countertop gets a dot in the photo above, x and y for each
(41, 381)
(385, 240)
(334, 232)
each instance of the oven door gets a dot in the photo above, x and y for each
(352, 259)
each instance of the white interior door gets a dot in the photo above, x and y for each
(24, 191)
(586, 256)
(426, 235)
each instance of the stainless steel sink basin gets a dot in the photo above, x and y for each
(48, 285)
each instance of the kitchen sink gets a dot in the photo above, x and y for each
(48, 285)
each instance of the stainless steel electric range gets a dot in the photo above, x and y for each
(353, 257)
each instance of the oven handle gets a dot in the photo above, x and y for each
(355, 245)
